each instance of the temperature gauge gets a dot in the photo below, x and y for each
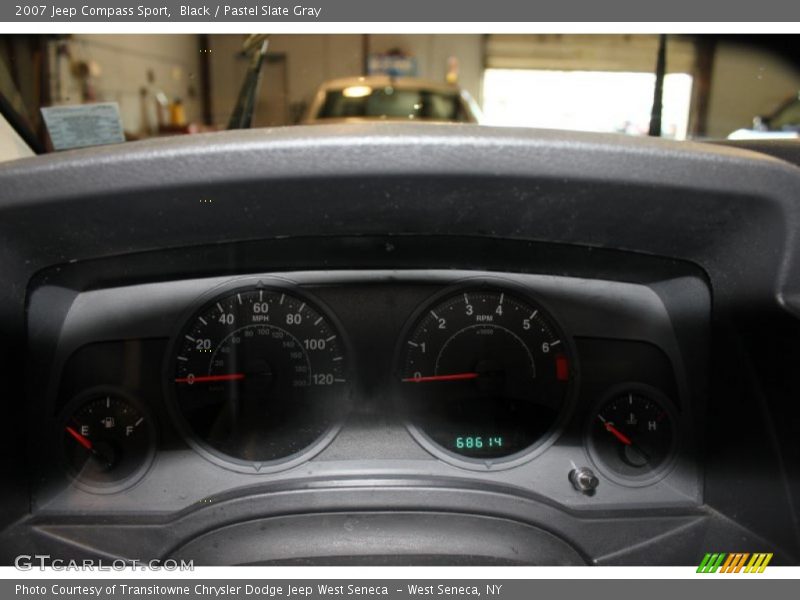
(632, 435)
(108, 441)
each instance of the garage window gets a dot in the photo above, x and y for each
(605, 101)
(586, 82)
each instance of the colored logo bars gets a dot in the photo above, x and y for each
(734, 562)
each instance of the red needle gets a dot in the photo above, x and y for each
(210, 378)
(82, 439)
(453, 377)
(618, 434)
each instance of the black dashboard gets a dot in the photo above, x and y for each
(401, 344)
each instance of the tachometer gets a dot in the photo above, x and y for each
(485, 375)
(259, 376)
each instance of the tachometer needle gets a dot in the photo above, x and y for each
(209, 378)
(81, 439)
(615, 432)
(452, 377)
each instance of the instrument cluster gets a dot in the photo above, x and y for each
(258, 376)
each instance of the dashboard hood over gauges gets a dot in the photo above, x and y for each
(600, 190)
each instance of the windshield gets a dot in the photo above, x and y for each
(64, 91)
(388, 102)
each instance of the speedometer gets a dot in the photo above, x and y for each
(258, 377)
(485, 375)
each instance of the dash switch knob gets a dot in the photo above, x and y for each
(584, 480)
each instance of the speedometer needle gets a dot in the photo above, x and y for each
(453, 377)
(209, 378)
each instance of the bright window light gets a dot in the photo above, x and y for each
(602, 101)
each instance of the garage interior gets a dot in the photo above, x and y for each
(712, 85)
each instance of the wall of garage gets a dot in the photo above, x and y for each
(746, 82)
(120, 65)
(433, 52)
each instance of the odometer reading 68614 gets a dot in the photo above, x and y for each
(259, 374)
(484, 373)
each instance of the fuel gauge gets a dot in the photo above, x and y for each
(632, 435)
(108, 441)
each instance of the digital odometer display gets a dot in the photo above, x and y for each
(484, 373)
(258, 376)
